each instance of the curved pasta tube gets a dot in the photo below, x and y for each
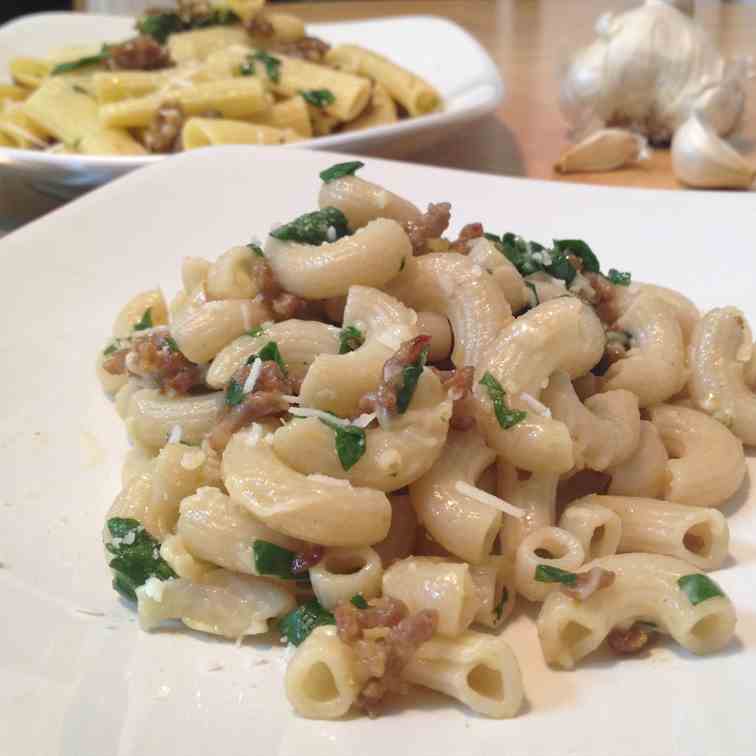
(654, 369)
(565, 552)
(698, 535)
(644, 473)
(139, 459)
(322, 678)
(151, 416)
(463, 525)
(133, 311)
(207, 132)
(336, 382)
(605, 429)
(380, 110)
(394, 456)
(194, 272)
(453, 286)
(494, 584)
(720, 357)
(372, 256)
(563, 334)
(545, 287)
(401, 536)
(476, 669)
(217, 529)
(174, 552)
(645, 588)
(223, 603)
(234, 275)
(313, 508)
(299, 341)
(434, 583)
(442, 340)
(362, 202)
(485, 253)
(536, 495)
(202, 328)
(686, 313)
(708, 464)
(345, 572)
(597, 527)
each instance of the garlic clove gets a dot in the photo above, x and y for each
(701, 159)
(604, 150)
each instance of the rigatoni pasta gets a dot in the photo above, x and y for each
(371, 439)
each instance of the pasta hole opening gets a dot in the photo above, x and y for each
(544, 554)
(319, 683)
(574, 633)
(344, 564)
(596, 540)
(698, 539)
(524, 475)
(487, 479)
(710, 629)
(486, 681)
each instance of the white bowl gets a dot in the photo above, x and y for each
(440, 51)
(78, 676)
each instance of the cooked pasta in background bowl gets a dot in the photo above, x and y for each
(112, 93)
(374, 462)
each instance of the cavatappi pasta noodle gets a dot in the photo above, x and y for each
(360, 436)
(206, 73)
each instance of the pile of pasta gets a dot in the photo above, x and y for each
(538, 430)
(207, 73)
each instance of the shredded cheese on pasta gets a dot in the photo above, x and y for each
(486, 498)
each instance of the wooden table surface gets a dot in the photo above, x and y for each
(530, 40)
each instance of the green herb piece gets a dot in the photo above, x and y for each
(110, 349)
(319, 98)
(544, 573)
(159, 26)
(506, 417)
(80, 90)
(248, 67)
(216, 17)
(256, 249)
(136, 556)
(698, 588)
(256, 331)
(269, 353)
(272, 65)
(410, 376)
(532, 288)
(619, 278)
(499, 608)
(145, 322)
(359, 601)
(350, 338)
(402, 264)
(560, 267)
(340, 170)
(312, 228)
(170, 342)
(492, 237)
(234, 393)
(75, 65)
(271, 559)
(297, 625)
(350, 442)
(581, 250)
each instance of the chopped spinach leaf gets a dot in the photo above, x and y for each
(234, 393)
(698, 587)
(256, 249)
(170, 342)
(499, 608)
(272, 64)
(75, 65)
(536, 298)
(410, 376)
(545, 573)
(159, 26)
(350, 442)
(269, 353)
(136, 556)
(350, 338)
(248, 67)
(297, 625)
(506, 417)
(319, 98)
(312, 228)
(340, 170)
(619, 278)
(256, 331)
(110, 349)
(581, 250)
(359, 601)
(271, 559)
(145, 322)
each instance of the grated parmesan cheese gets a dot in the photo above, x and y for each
(254, 374)
(174, 437)
(364, 420)
(486, 498)
(331, 234)
(153, 589)
(535, 405)
(310, 412)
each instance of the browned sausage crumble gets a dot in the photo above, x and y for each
(142, 53)
(306, 48)
(629, 641)
(468, 233)
(163, 135)
(431, 225)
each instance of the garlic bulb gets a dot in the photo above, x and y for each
(701, 159)
(648, 70)
(604, 150)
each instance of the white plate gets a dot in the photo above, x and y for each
(80, 679)
(440, 51)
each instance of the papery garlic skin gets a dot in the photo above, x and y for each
(703, 160)
(604, 150)
(647, 71)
